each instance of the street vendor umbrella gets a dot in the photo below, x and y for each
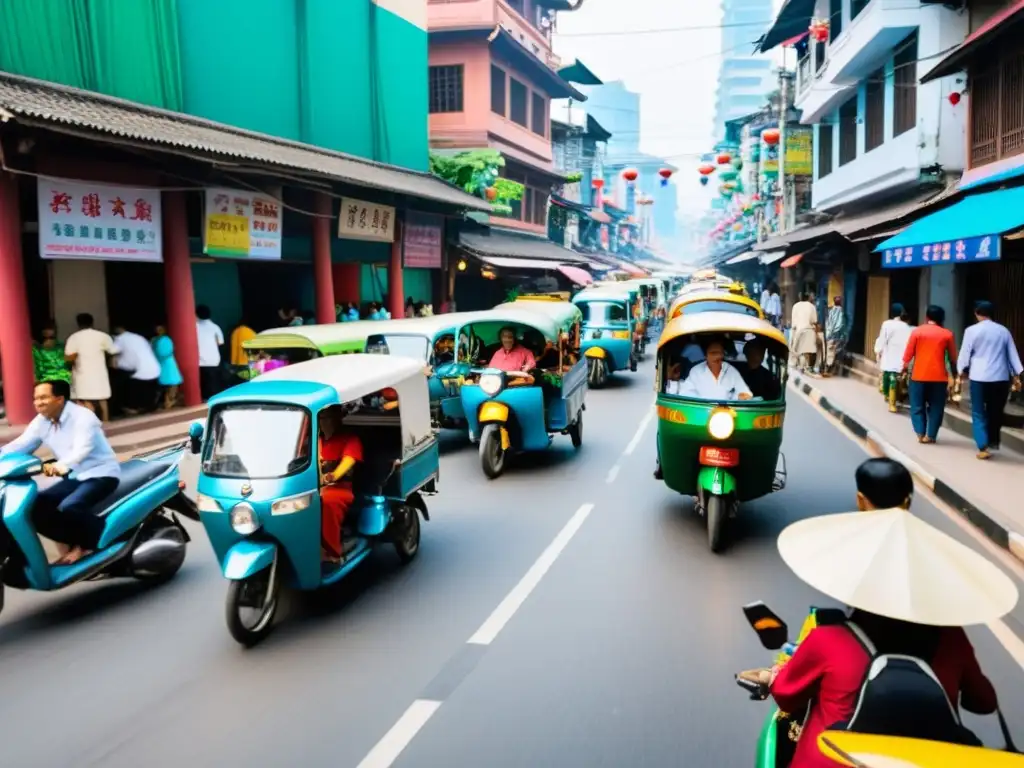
(893, 564)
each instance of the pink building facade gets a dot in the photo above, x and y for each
(492, 78)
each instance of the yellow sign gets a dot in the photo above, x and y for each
(671, 414)
(227, 233)
(799, 152)
(771, 421)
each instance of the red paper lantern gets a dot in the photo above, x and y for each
(630, 174)
(597, 183)
(724, 159)
(771, 136)
(665, 173)
(954, 98)
(706, 170)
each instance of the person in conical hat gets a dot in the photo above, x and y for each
(910, 588)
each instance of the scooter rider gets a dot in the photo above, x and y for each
(907, 598)
(75, 437)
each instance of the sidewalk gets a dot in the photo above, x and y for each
(138, 433)
(984, 492)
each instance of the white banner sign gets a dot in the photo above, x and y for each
(360, 220)
(242, 224)
(86, 220)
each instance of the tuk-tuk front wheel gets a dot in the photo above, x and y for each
(492, 455)
(598, 373)
(717, 514)
(251, 605)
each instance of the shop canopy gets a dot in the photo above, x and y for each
(970, 230)
(790, 25)
(979, 41)
(792, 261)
(745, 256)
(578, 275)
(490, 245)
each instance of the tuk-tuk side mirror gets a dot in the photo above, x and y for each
(771, 630)
(195, 437)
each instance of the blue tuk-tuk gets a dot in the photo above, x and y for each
(520, 410)
(260, 480)
(609, 328)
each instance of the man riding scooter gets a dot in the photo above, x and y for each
(74, 435)
(911, 590)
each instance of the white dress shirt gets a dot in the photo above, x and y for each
(210, 339)
(90, 379)
(989, 352)
(891, 344)
(702, 384)
(137, 356)
(76, 439)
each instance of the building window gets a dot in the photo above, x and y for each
(874, 110)
(517, 102)
(848, 132)
(997, 108)
(835, 19)
(826, 134)
(856, 6)
(497, 90)
(539, 115)
(446, 89)
(904, 82)
(540, 206)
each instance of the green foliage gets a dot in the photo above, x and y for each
(574, 178)
(508, 190)
(475, 171)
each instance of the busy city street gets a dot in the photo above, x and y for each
(622, 652)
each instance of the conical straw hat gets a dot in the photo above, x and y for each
(893, 752)
(891, 563)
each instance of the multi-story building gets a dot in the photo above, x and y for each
(492, 77)
(745, 79)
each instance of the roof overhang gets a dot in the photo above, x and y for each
(579, 73)
(536, 70)
(996, 28)
(791, 23)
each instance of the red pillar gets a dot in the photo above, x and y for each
(181, 299)
(322, 275)
(15, 331)
(346, 282)
(396, 290)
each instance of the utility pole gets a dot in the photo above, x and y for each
(783, 112)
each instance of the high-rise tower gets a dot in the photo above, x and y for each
(745, 79)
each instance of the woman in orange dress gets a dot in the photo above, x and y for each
(340, 451)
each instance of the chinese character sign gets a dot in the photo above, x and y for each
(360, 220)
(83, 220)
(948, 252)
(242, 224)
(422, 241)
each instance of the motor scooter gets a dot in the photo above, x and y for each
(142, 536)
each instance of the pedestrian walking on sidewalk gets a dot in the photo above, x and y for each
(889, 348)
(211, 339)
(803, 320)
(933, 352)
(990, 360)
(170, 375)
(835, 337)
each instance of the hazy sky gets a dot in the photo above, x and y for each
(675, 71)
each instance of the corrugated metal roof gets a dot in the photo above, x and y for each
(58, 107)
(520, 247)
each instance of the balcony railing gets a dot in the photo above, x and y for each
(803, 74)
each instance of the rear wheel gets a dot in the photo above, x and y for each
(492, 455)
(250, 607)
(576, 431)
(717, 514)
(406, 532)
(598, 372)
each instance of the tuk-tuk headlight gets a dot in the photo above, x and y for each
(491, 383)
(721, 424)
(206, 504)
(291, 505)
(244, 519)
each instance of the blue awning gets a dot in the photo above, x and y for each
(968, 231)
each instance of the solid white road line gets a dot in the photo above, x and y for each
(639, 433)
(512, 602)
(387, 750)
(612, 474)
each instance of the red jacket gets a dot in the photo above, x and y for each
(829, 667)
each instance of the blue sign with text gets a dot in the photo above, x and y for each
(949, 252)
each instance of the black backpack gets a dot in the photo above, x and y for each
(901, 696)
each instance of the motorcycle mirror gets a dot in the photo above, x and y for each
(195, 436)
(771, 630)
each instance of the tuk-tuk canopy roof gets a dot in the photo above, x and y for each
(511, 314)
(352, 376)
(562, 312)
(615, 288)
(719, 322)
(709, 294)
(327, 338)
(430, 327)
(605, 294)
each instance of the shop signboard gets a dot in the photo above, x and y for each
(799, 152)
(360, 220)
(242, 224)
(422, 241)
(968, 249)
(105, 222)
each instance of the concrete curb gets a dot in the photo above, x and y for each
(995, 530)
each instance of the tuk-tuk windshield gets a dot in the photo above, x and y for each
(718, 306)
(604, 313)
(399, 345)
(257, 441)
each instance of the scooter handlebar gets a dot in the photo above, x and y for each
(757, 688)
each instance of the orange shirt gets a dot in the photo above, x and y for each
(927, 347)
(340, 446)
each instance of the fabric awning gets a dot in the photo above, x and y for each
(772, 256)
(746, 256)
(792, 261)
(494, 243)
(793, 19)
(982, 215)
(599, 267)
(576, 274)
(1000, 24)
(510, 262)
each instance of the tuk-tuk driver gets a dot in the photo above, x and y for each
(340, 451)
(714, 379)
(512, 356)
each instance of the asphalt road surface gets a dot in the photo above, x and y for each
(568, 614)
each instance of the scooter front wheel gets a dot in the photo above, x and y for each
(250, 607)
